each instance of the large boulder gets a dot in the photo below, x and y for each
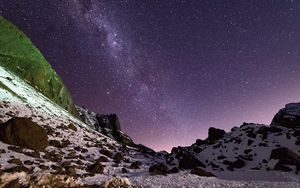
(288, 117)
(215, 134)
(189, 161)
(23, 132)
(285, 156)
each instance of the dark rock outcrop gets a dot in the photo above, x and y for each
(285, 156)
(189, 161)
(108, 125)
(288, 117)
(215, 134)
(25, 133)
(158, 169)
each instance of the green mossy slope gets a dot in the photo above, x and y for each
(20, 56)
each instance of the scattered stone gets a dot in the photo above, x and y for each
(72, 127)
(54, 143)
(124, 170)
(135, 165)
(79, 162)
(221, 157)
(96, 168)
(158, 169)
(239, 163)
(107, 153)
(200, 172)
(173, 170)
(118, 158)
(27, 162)
(103, 159)
(44, 167)
(15, 161)
(71, 171)
(20, 168)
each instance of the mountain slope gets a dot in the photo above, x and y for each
(20, 56)
(76, 148)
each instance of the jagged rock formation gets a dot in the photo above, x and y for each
(288, 116)
(20, 56)
(108, 125)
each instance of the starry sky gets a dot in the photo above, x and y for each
(170, 68)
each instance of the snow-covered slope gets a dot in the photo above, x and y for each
(245, 153)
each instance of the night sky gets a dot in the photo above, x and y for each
(170, 68)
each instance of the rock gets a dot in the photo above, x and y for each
(189, 161)
(215, 134)
(107, 153)
(20, 168)
(34, 154)
(247, 151)
(200, 172)
(197, 149)
(288, 116)
(118, 182)
(119, 157)
(173, 170)
(12, 184)
(79, 162)
(200, 142)
(135, 165)
(103, 159)
(239, 163)
(25, 133)
(250, 142)
(44, 167)
(124, 170)
(220, 157)
(70, 171)
(72, 127)
(285, 156)
(64, 143)
(158, 169)
(27, 162)
(54, 143)
(15, 161)
(65, 164)
(281, 167)
(96, 168)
